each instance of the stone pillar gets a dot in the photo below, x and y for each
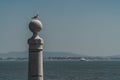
(35, 66)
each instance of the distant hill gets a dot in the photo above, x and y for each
(60, 54)
(46, 54)
(115, 56)
(14, 54)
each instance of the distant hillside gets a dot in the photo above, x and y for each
(46, 54)
(115, 56)
(60, 54)
(14, 54)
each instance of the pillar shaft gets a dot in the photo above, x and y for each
(35, 66)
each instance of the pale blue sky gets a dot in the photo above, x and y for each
(88, 27)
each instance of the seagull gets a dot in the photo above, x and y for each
(35, 17)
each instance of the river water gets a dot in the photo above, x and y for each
(63, 70)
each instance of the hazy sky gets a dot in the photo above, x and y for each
(88, 27)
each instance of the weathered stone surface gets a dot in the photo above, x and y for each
(35, 67)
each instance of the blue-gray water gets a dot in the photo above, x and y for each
(63, 70)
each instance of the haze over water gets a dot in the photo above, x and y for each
(89, 27)
(86, 27)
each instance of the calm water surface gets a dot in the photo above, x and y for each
(63, 70)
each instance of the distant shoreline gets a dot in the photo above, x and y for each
(64, 59)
